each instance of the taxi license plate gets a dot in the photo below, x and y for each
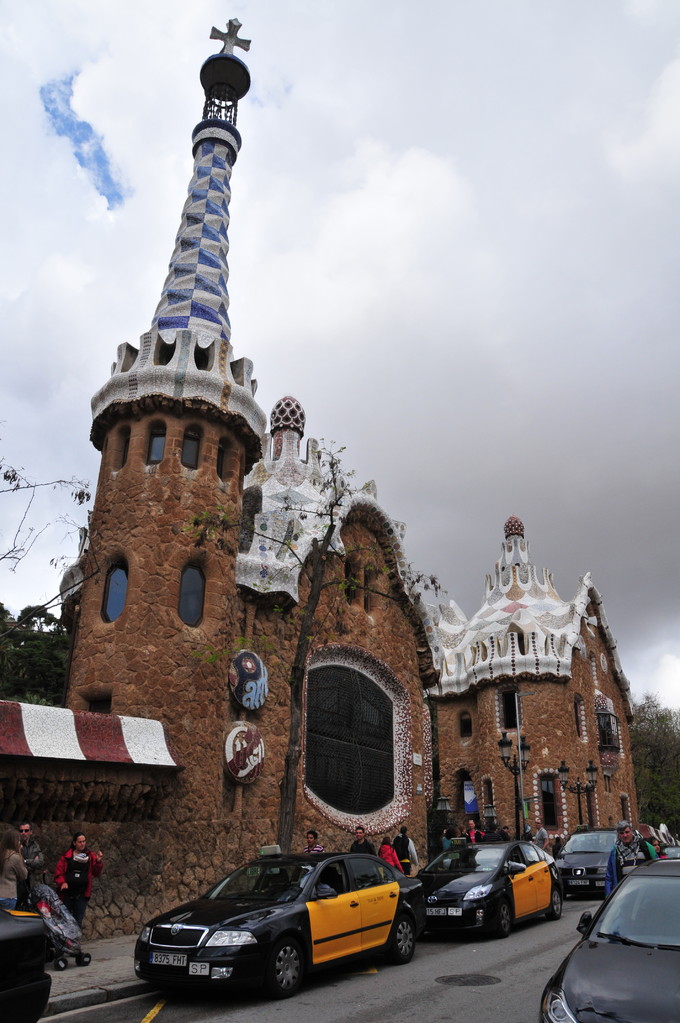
(167, 959)
(578, 882)
(445, 912)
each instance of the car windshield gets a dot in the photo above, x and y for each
(467, 859)
(271, 882)
(590, 842)
(646, 909)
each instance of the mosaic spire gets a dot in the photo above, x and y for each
(195, 291)
(186, 355)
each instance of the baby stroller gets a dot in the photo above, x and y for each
(63, 932)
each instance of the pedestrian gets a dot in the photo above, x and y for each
(33, 859)
(361, 843)
(386, 852)
(312, 844)
(658, 849)
(405, 850)
(472, 832)
(505, 833)
(12, 868)
(556, 846)
(74, 875)
(541, 837)
(448, 837)
(629, 850)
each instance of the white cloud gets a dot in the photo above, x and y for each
(654, 152)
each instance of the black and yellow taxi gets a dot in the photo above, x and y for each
(280, 916)
(490, 886)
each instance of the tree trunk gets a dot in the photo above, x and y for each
(289, 782)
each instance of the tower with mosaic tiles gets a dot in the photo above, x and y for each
(178, 428)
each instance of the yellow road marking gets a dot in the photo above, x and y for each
(154, 1012)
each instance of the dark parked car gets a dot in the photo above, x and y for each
(582, 861)
(627, 965)
(490, 887)
(24, 985)
(278, 917)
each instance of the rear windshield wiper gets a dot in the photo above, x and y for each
(624, 941)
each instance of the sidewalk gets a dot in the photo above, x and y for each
(110, 975)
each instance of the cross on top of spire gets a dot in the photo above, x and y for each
(230, 37)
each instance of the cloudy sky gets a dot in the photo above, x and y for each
(454, 239)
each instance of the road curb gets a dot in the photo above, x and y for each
(96, 996)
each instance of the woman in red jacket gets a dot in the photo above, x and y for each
(387, 853)
(74, 875)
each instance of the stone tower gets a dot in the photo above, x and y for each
(178, 428)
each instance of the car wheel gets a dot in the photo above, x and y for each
(503, 919)
(285, 968)
(555, 911)
(60, 963)
(402, 942)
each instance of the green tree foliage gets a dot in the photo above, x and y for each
(655, 737)
(33, 656)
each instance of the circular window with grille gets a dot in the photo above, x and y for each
(356, 745)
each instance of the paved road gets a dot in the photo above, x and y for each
(499, 981)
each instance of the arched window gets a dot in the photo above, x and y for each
(548, 801)
(228, 464)
(115, 591)
(122, 447)
(465, 722)
(191, 594)
(508, 709)
(352, 570)
(349, 750)
(156, 444)
(608, 731)
(579, 716)
(191, 443)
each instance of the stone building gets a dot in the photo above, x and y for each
(172, 747)
(530, 665)
(185, 608)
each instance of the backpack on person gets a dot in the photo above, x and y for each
(400, 846)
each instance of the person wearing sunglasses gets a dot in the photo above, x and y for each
(32, 855)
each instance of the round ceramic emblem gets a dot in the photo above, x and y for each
(244, 752)
(248, 679)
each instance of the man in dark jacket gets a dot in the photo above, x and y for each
(629, 850)
(361, 843)
(32, 856)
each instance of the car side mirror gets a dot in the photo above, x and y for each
(324, 891)
(516, 868)
(585, 922)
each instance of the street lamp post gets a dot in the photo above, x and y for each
(579, 787)
(515, 766)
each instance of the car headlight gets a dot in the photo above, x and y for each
(601, 870)
(232, 938)
(145, 935)
(554, 1007)
(480, 891)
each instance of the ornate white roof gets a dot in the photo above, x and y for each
(285, 500)
(522, 628)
